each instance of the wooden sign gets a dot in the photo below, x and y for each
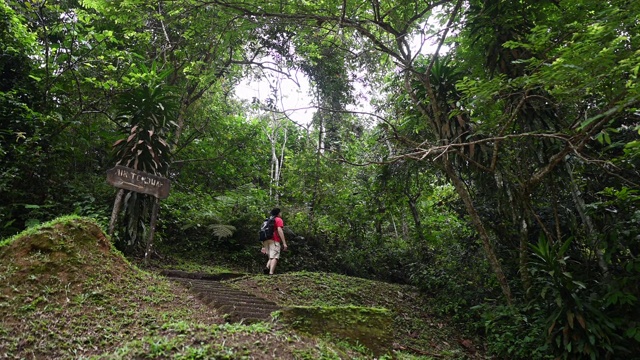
(129, 179)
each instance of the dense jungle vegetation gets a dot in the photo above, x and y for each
(495, 166)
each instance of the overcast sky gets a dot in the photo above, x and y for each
(295, 99)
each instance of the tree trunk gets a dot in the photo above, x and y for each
(580, 206)
(516, 204)
(316, 180)
(276, 161)
(416, 216)
(479, 227)
(395, 228)
(524, 256)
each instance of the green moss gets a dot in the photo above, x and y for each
(370, 327)
(75, 296)
(50, 224)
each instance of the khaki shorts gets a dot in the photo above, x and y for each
(273, 249)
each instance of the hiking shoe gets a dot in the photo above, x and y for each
(265, 271)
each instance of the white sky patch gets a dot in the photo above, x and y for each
(294, 98)
(292, 95)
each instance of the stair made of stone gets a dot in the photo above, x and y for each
(236, 304)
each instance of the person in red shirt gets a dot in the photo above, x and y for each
(279, 242)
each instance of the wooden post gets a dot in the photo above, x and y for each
(116, 209)
(154, 215)
(130, 179)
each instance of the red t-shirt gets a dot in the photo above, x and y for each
(278, 224)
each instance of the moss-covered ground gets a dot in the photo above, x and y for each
(65, 293)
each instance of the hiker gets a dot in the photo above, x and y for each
(272, 246)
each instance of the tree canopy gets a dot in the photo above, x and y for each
(503, 141)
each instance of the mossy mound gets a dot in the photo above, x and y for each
(60, 254)
(66, 293)
(370, 327)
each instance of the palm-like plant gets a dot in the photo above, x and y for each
(146, 112)
(577, 326)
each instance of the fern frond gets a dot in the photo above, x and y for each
(222, 230)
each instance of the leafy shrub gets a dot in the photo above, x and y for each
(457, 275)
(576, 325)
(513, 333)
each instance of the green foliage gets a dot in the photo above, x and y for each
(579, 317)
(146, 112)
(196, 221)
(455, 274)
(513, 333)
(534, 85)
(576, 325)
(227, 152)
(21, 129)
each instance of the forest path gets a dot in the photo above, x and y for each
(237, 305)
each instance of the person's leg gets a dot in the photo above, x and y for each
(272, 269)
(269, 249)
(273, 257)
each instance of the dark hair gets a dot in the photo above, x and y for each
(275, 211)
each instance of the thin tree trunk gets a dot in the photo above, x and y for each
(152, 230)
(276, 161)
(180, 125)
(482, 232)
(518, 216)
(524, 256)
(586, 219)
(395, 228)
(280, 163)
(416, 216)
(116, 210)
(316, 178)
(275, 166)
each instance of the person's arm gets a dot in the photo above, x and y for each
(281, 236)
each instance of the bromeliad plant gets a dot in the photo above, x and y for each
(576, 326)
(146, 113)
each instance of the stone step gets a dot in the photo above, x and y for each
(220, 289)
(227, 308)
(203, 284)
(242, 307)
(231, 300)
(236, 318)
(223, 292)
(196, 281)
(209, 285)
(236, 304)
(243, 297)
(247, 315)
(213, 285)
(179, 274)
(239, 305)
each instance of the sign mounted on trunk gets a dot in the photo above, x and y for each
(129, 179)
